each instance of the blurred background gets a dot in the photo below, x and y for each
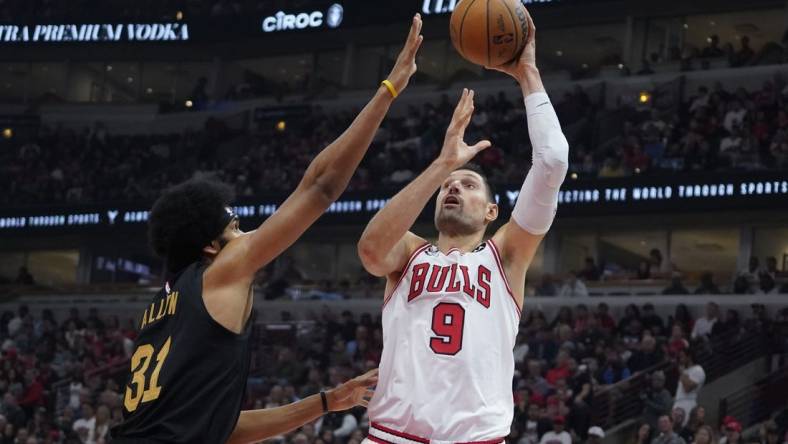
(671, 233)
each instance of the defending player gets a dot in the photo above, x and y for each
(189, 370)
(451, 311)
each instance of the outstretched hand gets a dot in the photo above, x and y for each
(405, 66)
(355, 392)
(455, 151)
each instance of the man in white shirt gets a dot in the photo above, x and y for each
(734, 116)
(691, 380)
(573, 287)
(558, 435)
(704, 325)
(86, 425)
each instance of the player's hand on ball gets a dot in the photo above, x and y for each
(355, 392)
(405, 66)
(455, 151)
(527, 60)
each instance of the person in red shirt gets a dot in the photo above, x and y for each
(561, 370)
(603, 316)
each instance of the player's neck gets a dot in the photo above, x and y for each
(464, 243)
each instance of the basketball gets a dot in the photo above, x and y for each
(489, 32)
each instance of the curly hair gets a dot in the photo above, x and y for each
(186, 218)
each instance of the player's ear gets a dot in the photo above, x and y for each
(492, 213)
(212, 249)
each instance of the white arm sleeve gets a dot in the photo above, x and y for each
(538, 200)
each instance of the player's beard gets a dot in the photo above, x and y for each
(454, 222)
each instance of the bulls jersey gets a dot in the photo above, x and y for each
(449, 330)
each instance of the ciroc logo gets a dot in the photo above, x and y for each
(282, 21)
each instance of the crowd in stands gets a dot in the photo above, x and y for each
(562, 365)
(755, 279)
(715, 130)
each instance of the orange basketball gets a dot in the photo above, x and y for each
(489, 32)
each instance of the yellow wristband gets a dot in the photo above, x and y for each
(389, 86)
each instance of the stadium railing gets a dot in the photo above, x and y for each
(756, 402)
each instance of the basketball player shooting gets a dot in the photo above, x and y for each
(451, 310)
(191, 363)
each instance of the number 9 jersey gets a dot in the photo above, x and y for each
(187, 374)
(449, 330)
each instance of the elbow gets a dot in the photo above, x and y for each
(370, 257)
(328, 189)
(555, 160)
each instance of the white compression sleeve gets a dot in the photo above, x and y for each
(538, 200)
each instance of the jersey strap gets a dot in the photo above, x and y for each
(405, 271)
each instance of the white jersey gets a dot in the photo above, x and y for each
(449, 330)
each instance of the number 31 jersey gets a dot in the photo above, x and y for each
(187, 374)
(449, 330)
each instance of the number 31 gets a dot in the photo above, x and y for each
(140, 362)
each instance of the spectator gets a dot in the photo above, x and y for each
(704, 325)
(615, 369)
(770, 433)
(679, 417)
(730, 326)
(644, 271)
(85, 426)
(677, 341)
(558, 435)
(713, 50)
(561, 369)
(691, 379)
(682, 317)
(606, 322)
(656, 400)
(744, 55)
(642, 435)
(573, 287)
(666, 434)
(24, 277)
(697, 419)
(660, 267)
(646, 356)
(707, 285)
(631, 313)
(771, 268)
(547, 286)
(651, 321)
(704, 435)
(535, 425)
(733, 430)
(534, 381)
(751, 274)
(590, 272)
(675, 287)
(595, 435)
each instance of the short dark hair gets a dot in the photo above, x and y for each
(478, 170)
(186, 218)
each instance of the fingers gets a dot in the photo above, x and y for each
(368, 379)
(481, 146)
(366, 398)
(531, 29)
(414, 36)
(460, 106)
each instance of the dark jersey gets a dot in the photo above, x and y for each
(188, 373)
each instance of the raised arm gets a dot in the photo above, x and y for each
(324, 181)
(259, 425)
(536, 205)
(386, 244)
